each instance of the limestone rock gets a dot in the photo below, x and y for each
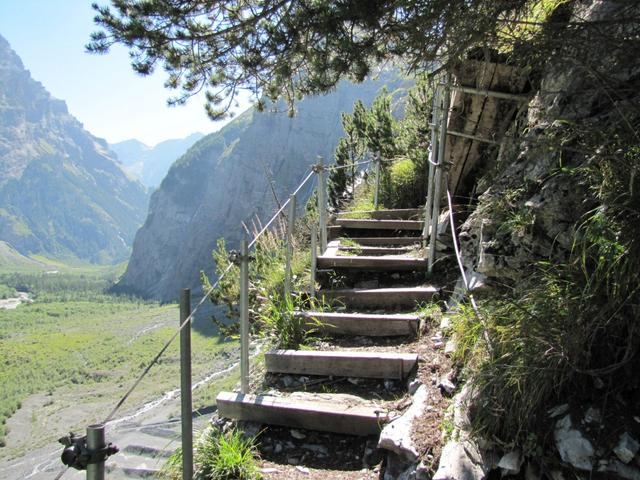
(511, 462)
(461, 461)
(396, 435)
(573, 447)
(627, 448)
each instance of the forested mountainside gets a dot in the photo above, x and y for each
(151, 164)
(227, 178)
(62, 192)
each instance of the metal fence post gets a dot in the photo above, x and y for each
(291, 219)
(435, 215)
(433, 159)
(244, 315)
(322, 203)
(186, 404)
(376, 191)
(314, 259)
(96, 441)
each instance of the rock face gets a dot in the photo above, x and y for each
(224, 179)
(62, 193)
(151, 164)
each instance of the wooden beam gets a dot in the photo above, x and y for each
(408, 297)
(392, 214)
(379, 224)
(387, 240)
(372, 325)
(371, 263)
(374, 250)
(336, 416)
(341, 363)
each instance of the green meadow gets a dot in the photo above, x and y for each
(77, 334)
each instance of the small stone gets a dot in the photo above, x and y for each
(627, 448)
(288, 381)
(395, 276)
(303, 470)
(511, 462)
(592, 415)
(319, 449)
(445, 324)
(413, 386)
(268, 470)
(438, 345)
(598, 383)
(556, 475)
(297, 434)
(354, 381)
(293, 460)
(278, 448)
(450, 347)
(389, 385)
(446, 385)
(558, 410)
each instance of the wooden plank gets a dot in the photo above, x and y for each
(341, 363)
(374, 250)
(391, 214)
(338, 416)
(408, 297)
(386, 240)
(379, 224)
(361, 262)
(372, 325)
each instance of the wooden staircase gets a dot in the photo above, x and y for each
(371, 249)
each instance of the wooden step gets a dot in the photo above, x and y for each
(408, 297)
(337, 416)
(390, 263)
(370, 324)
(341, 363)
(372, 241)
(361, 250)
(379, 224)
(391, 214)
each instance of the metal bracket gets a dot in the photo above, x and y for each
(77, 455)
(235, 257)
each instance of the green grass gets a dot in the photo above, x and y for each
(218, 456)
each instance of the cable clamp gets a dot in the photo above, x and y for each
(236, 257)
(77, 455)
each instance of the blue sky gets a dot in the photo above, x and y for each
(101, 91)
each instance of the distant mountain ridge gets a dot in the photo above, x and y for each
(151, 164)
(224, 179)
(62, 192)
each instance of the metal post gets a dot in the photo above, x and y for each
(314, 259)
(244, 316)
(96, 441)
(376, 191)
(438, 174)
(433, 159)
(185, 386)
(291, 219)
(322, 203)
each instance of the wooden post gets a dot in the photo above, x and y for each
(376, 191)
(96, 441)
(244, 316)
(186, 404)
(314, 259)
(291, 219)
(322, 203)
(435, 215)
(433, 159)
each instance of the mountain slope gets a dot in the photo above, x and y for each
(62, 194)
(150, 164)
(221, 182)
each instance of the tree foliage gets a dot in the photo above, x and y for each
(287, 49)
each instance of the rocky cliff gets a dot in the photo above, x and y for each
(223, 180)
(62, 193)
(151, 164)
